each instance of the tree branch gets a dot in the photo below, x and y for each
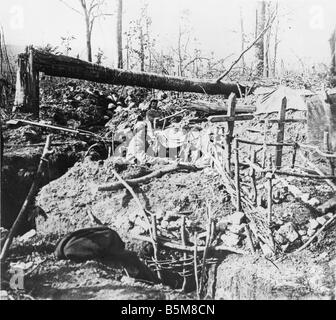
(72, 8)
(269, 24)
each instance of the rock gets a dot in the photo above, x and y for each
(266, 250)
(237, 229)
(329, 215)
(310, 232)
(321, 220)
(28, 235)
(313, 202)
(222, 226)
(164, 224)
(237, 217)
(288, 231)
(132, 217)
(230, 239)
(139, 222)
(302, 232)
(159, 214)
(137, 230)
(305, 238)
(313, 224)
(279, 238)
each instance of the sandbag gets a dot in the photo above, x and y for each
(89, 244)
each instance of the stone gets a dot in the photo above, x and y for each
(311, 232)
(30, 234)
(137, 230)
(237, 229)
(237, 217)
(302, 232)
(132, 217)
(164, 224)
(280, 238)
(321, 220)
(329, 215)
(313, 202)
(288, 231)
(159, 214)
(313, 224)
(230, 239)
(305, 238)
(139, 222)
(222, 226)
(267, 251)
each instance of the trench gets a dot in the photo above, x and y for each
(17, 175)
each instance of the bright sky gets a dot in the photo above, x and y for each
(305, 25)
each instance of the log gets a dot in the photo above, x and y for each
(147, 178)
(64, 66)
(218, 108)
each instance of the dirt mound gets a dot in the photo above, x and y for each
(68, 199)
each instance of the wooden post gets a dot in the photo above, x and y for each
(154, 228)
(281, 133)
(27, 84)
(263, 163)
(269, 177)
(196, 265)
(294, 156)
(237, 182)
(326, 144)
(230, 128)
(29, 199)
(253, 177)
(185, 256)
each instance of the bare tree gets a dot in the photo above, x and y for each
(119, 34)
(91, 10)
(332, 42)
(260, 25)
(242, 36)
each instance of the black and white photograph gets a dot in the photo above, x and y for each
(168, 154)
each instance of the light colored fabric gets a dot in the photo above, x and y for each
(271, 101)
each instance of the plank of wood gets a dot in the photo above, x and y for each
(281, 133)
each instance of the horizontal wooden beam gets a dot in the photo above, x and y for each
(243, 117)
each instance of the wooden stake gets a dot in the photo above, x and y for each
(229, 134)
(155, 244)
(185, 256)
(29, 199)
(195, 265)
(265, 144)
(237, 181)
(249, 238)
(253, 177)
(326, 143)
(269, 177)
(205, 252)
(281, 133)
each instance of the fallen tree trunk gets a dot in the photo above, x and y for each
(147, 178)
(63, 66)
